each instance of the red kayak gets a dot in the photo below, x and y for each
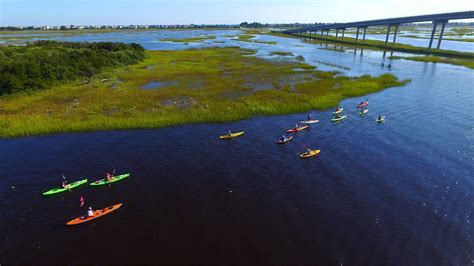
(297, 129)
(363, 104)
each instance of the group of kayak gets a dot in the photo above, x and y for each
(284, 139)
(91, 214)
(338, 116)
(362, 106)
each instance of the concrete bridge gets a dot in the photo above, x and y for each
(389, 22)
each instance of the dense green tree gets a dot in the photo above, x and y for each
(44, 63)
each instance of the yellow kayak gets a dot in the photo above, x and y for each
(309, 154)
(233, 135)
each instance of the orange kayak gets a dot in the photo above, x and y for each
(97, 214)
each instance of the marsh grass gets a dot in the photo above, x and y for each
(437, 59)
(204, 80)
(250, 38)
(281, 53)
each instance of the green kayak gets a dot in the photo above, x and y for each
(105, 182)
(69, 187)
(337, 119)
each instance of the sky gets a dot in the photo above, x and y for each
(146, 12)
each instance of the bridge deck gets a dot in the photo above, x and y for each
(388, 21)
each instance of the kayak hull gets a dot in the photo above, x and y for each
(287, 140)
(307, 122)
(311, 154)
(233, 135)
(102, 182)
(97, 214)
(293, 130)
(71, 186)
(339, 119)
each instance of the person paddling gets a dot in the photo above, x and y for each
(283, 138)
(109, 177)
(380, 117)
(64, 183)
(90, 212)
(229, 134)
(309, 116)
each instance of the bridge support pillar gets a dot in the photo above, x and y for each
(327, 33)
(337, 33)
(388, 34)
(435, 23)
(395, 35)
(343, 30)
(441, 34)
(365, 30)
(322, 32)
(357, 35)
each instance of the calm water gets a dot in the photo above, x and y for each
(400, 193)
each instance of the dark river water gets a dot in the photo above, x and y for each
(398, 193)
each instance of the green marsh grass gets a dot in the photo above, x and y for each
(205, 78)
(437, 59)
(281, 53)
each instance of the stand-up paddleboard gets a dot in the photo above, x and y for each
(310, 121)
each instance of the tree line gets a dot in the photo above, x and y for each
(41, 64)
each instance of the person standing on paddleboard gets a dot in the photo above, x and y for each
(309, 116)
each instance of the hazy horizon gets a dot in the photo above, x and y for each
(148, 12)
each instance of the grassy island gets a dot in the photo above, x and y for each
(189, 86)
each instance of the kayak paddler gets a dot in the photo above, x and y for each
(90, 212)
(283, 138)
(64, 183)
(309, 116)
(380, 117)
(229, 134)
(109, 177)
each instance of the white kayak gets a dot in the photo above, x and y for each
(363, 112)
(310, 121)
